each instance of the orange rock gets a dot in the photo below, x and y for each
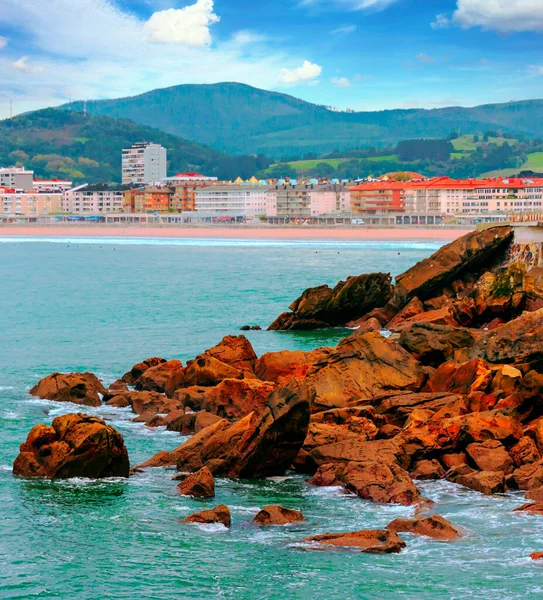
(524, 452)
(235, 351)
(235, 398)
(413, 308)
(536, 555)
(118, 386)
(282, 366)
(372, 541)
(274, 514)
(199, 485)
(204, 371)
(428, 469)
(454, 460)
(486, 482)
(138, 369)
(490, 455)
(462, 379)
(442, 316)
(78, 388)
(155, 378)
(533, 508)
(434, 526)
(75, 445)
(219, 514)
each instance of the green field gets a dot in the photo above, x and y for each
(466, 144)
(534, 162)
(306, 165)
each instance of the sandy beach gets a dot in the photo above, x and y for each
(347, 234)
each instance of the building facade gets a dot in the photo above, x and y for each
(92, 200)
(17, 178)
(307, 200)
(144, 163)
(184, 186)
(149, 199)
(29, 203)
(232, 199)
(51, 185)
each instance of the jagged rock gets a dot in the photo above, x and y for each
(219, 514)
(490, 455)
(413, 308)
(506, 380)
(255, 446)
(235, 398)
(536, 555)
(362, 367)
(274, 514)
(138, 369)
(75, 445)
(454, 459)
(358, 450)
(118, 386)
(467, 254)
(78, 388)
(366, 326)
(399, 407)
(486, 482)
(529, 476)
(235, 351)
(144, 402)
(199, 485)
(192, 397)
(154, 379)
(434, 344)
(439, 317)
(525, 452)
(279, 367)
(204, 419)
(518, 342)
(434, 526)
(372, 541)
(428, 469)
(532, 508)
(472, 376)
(348, 301)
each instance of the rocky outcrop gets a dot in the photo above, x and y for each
(467, 254)
(219, 514)
(279, 367)
(362, 367)
(371, 541)
(274, 514)
(139, 369)
(198, 485)
(74, 445)
(154, 379)
(434, 526)
(235, 398)
(79, 388)
(326, 307)
(235, 351)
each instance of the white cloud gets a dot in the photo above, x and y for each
(345, 30)
(3, 42)
(21, 64)
(500, 15)
(307, 73)
(341, 82)
(442, 22)
(425, 58)
(367, 5)
(188, 25)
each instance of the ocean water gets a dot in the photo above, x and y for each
(102, 305)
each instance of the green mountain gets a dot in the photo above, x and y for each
(60, 143)
(239, 119)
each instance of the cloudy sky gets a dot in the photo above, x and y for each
(360, 54)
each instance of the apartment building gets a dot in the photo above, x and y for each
(148, 199)
(144, 163)
(92, 200)
(15, 202)
(17, 178)
(307, 200)
(184, 186)
(232, 199)
(51, 185)
(378, 197)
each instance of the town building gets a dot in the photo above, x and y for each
(92, 200)
(184, 186)
(17, 178)
(307, 200)
(152, 198)
(144, 163)
(234, 200)
(51, 185)
(15, 202)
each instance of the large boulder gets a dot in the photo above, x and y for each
(144, 402)
(139, 369)
(235, 351)
(154, 379)
(518, 342)
(371, 541)
(256, 446)
(279, 367)
(434, 344)
(490, 455)
(359, 450)
(235, 398)
(347, 301)
(434, 526)
(219, 514)
(78, 388)
(198, 485)
(467, 254)
(362, 367)
(473, 376)
(275, 514)
(75, 445)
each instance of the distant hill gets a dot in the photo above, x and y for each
(239, 119)
(60, 143)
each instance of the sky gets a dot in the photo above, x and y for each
(357, 54)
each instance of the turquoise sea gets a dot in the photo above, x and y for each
(104, 304)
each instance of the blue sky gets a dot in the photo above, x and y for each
(359, 54)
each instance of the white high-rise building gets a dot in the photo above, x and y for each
(143, 163)
(16, 177)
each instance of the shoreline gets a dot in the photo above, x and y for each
(347, 234)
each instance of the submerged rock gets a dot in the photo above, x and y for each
(372, 541)
(274, 514)
(219, 514)
(434, 526)
(75, 445)
(78, 388)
